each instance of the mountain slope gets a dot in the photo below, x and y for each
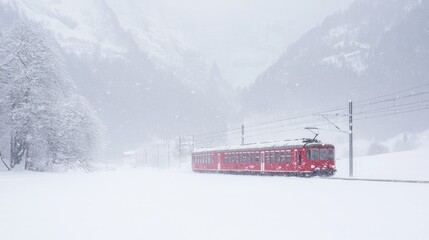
(143, 77)
(373, 47)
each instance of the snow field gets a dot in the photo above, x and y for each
(407, 165)
(180, 204)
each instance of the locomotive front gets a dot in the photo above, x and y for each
(319, 160)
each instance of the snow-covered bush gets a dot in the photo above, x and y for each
(377, 148)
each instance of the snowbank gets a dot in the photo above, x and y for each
(180, 204)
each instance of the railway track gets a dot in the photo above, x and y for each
(377, 180)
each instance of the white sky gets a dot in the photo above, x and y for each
(246, 36)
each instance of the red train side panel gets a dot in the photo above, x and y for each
(300, 158)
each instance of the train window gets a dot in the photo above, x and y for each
(277, 154)
(243, 157)
(252, 157)
(331, 154)
(282, 156)
(323, 154)
(257, 157)
(267, 157)
(272, 157)
(236, 158)
(313, 154)
(288, 154)
(227, 158)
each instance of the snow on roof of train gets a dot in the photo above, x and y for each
(269, 145)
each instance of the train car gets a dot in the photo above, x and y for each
(307, 157)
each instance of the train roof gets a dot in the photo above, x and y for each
(254, 146)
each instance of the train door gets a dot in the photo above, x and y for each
(218, 162)
(262, 160)
(297, 159)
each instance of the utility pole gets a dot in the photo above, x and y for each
(350, 139)
(193, 143)
(168, 155)
(157, 157)
(242, 134)
(180, 151)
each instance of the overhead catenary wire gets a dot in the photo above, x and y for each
(395, 107)
(298, 116)
(358, 102)
(384, 105)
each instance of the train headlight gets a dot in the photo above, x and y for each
(312, 166)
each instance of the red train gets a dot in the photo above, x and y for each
(303, 158)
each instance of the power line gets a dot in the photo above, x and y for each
(391, 94)
(308, 118)
(394, 107)
(422, 108)
(298, 116)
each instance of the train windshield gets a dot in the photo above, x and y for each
(320, 154)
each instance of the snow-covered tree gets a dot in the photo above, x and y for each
(81, 132)
(37, 101)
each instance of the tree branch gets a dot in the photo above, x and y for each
(1, 158)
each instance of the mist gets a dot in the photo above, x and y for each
(160, 71)
(227, 119)
(245, 37)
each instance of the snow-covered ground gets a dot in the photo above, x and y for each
(180, 204)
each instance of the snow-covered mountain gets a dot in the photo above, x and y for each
(143, 76)
(373, 47)
(106, 27)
